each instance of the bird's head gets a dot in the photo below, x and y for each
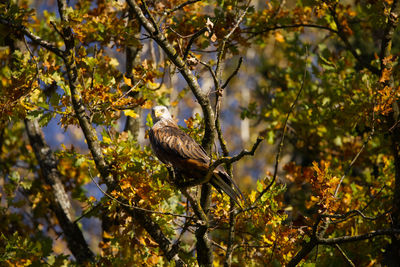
(160, 113)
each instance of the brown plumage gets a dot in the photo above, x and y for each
(176, 148)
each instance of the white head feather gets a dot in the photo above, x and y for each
(160, 113)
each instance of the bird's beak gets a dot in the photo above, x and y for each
(157, 113)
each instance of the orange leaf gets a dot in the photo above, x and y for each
(385, 75)
(127, 81)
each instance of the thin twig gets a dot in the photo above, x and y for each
(279, 27)
(233, 73)
(56, 29)
(213, 75)
(349, 213)
(133, 87)
(280, 146)
(181, 6)
(344, 255)
(226, 37)
(230, 160)
(359, 152)
(191, 41)
(136, 207)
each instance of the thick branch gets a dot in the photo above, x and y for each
(61, 206)
(347, 239)
(173, 55)
(94, 146)
(393, 19)
(204, 251)
(305, 250)
(36, 39)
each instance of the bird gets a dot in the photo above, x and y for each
(177, 149)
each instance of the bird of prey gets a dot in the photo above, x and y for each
(177, 149)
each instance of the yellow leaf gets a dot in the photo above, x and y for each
(279, 37)
(131, 113)
(152, 86)
(107, 235)
(26, 105)
(127, 81)
(106, 139)
(114, 62)
(147, 105)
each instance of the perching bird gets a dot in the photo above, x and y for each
(176, 148)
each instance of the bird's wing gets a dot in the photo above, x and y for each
(171, 142)
(173, 146)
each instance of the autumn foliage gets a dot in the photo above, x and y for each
(299, 100)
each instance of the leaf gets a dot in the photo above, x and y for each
(131, 113)
(260, 186)
(279, 37)
(128, 81)
(114, 62)
(45, 119)
(90, 61)
(385, 75)
(14, 176)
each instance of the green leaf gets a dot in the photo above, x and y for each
(14, 176)
(32, 115)
(45, 119)
(260, 186)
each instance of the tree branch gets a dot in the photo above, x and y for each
(345, 256)
(347, 239)
(305, 250)
(233, 73)
(61, 206)
(191, 80)
(35, 39)
(342, 35)
(230, 160)
(89, 132)
(203, 246)
(182, 5)
(359, 152)
(191, 41)
(279, 27)
(386, 45)
(280, 146)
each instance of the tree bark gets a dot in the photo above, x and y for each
(61, 205)
(132, 59)
(89, 132)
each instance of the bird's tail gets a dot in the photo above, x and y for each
(222, 181)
